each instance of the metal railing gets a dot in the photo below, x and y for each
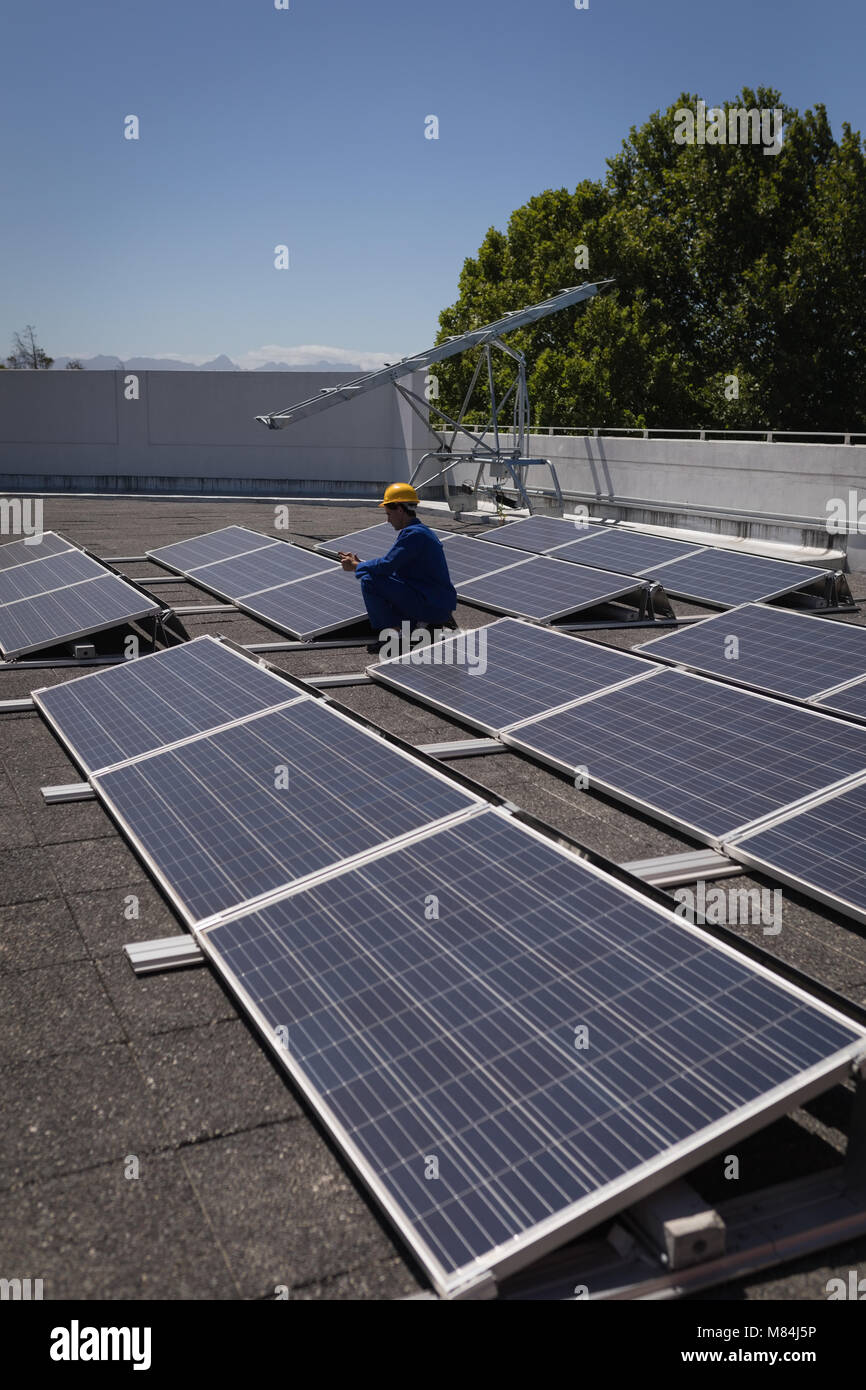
(766, 436)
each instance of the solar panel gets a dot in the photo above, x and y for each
(768, 648)
(274, 564)
(537, 533)
(44, 576)
(820, 850)
(545, 589)
(77, 611)
(110, 716)
(728, 578)
(370, 543)
(705, 757)
(23, 552)
(233, 815)
(851, 700)
(469, 559)
(310, 607)
(628, 552)
(497, 675)
(214, 545)
(509, 1069)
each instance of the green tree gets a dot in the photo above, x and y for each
(26, 354)
(729, 263)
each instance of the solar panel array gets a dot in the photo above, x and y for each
(52, 592)
(496, 675)
(296, 590)
(704, 574)
(771, 649)
(702, 756)
(543, 588)
(448, 1056)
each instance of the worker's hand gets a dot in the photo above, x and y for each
(349, 561)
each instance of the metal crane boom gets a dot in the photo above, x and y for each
(516, 318)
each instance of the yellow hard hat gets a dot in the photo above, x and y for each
(400, 492)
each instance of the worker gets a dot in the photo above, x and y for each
(410, 582)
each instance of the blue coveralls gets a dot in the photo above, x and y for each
(411, 581)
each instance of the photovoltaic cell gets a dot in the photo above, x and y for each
(214, 545)
(77, 611)
(468, 559)
(454, 1040)
(627, 552)
(274, 564)
(706, 757)
(537, 533)
(44, 576)
(237, 813)
(110, 716)
(25, 551)
(851, 701)
(496, 675)
(370, 543)
(821, 850)
(544, 588)
(309, 607)
(728, 578)
(775, 649)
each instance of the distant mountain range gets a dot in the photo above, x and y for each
(222, 363)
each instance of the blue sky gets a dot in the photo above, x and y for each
(305, 127)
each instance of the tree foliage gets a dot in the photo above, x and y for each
(728, 262)
(26, 353)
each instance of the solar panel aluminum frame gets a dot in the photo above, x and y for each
(738, 848)
(510, 737)
(822, 699)
(680, 664)
(379, 671)
(475, 802)
(636, 586)
(623, 1192)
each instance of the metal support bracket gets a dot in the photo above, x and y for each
(671, 869)
(463, 748)
(166, 953)
(72, 791)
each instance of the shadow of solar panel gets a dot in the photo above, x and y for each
(91, 606)
(627, 552)
(705, 757)
(448, 1057)
(370, 543)
(768, 648)
(468, 559)
(493, 676)
(107, 717)
(850, 701)
(238, 813)
(44, 576)
(25, 551)
(275, 564)
(537, 533)
(727, 578)
(206, 549)
(821, 850)
(545, 589)
(310, 607)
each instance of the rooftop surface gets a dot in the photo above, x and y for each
(239, 1190)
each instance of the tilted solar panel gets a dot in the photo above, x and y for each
(369, 543)
(212, 546)
(44, 576)
(468, 559)
(729, 578)
(537, 533)
(78, 611)
(275, 564)
(310, 607)
(850, 701)
(493, 676)
(110, 716)
(821, 850)
(544, 588)
(628, 552)
(769, 648)
(23, 552)
(507, 1068)
(232, 815)
(705, 757)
